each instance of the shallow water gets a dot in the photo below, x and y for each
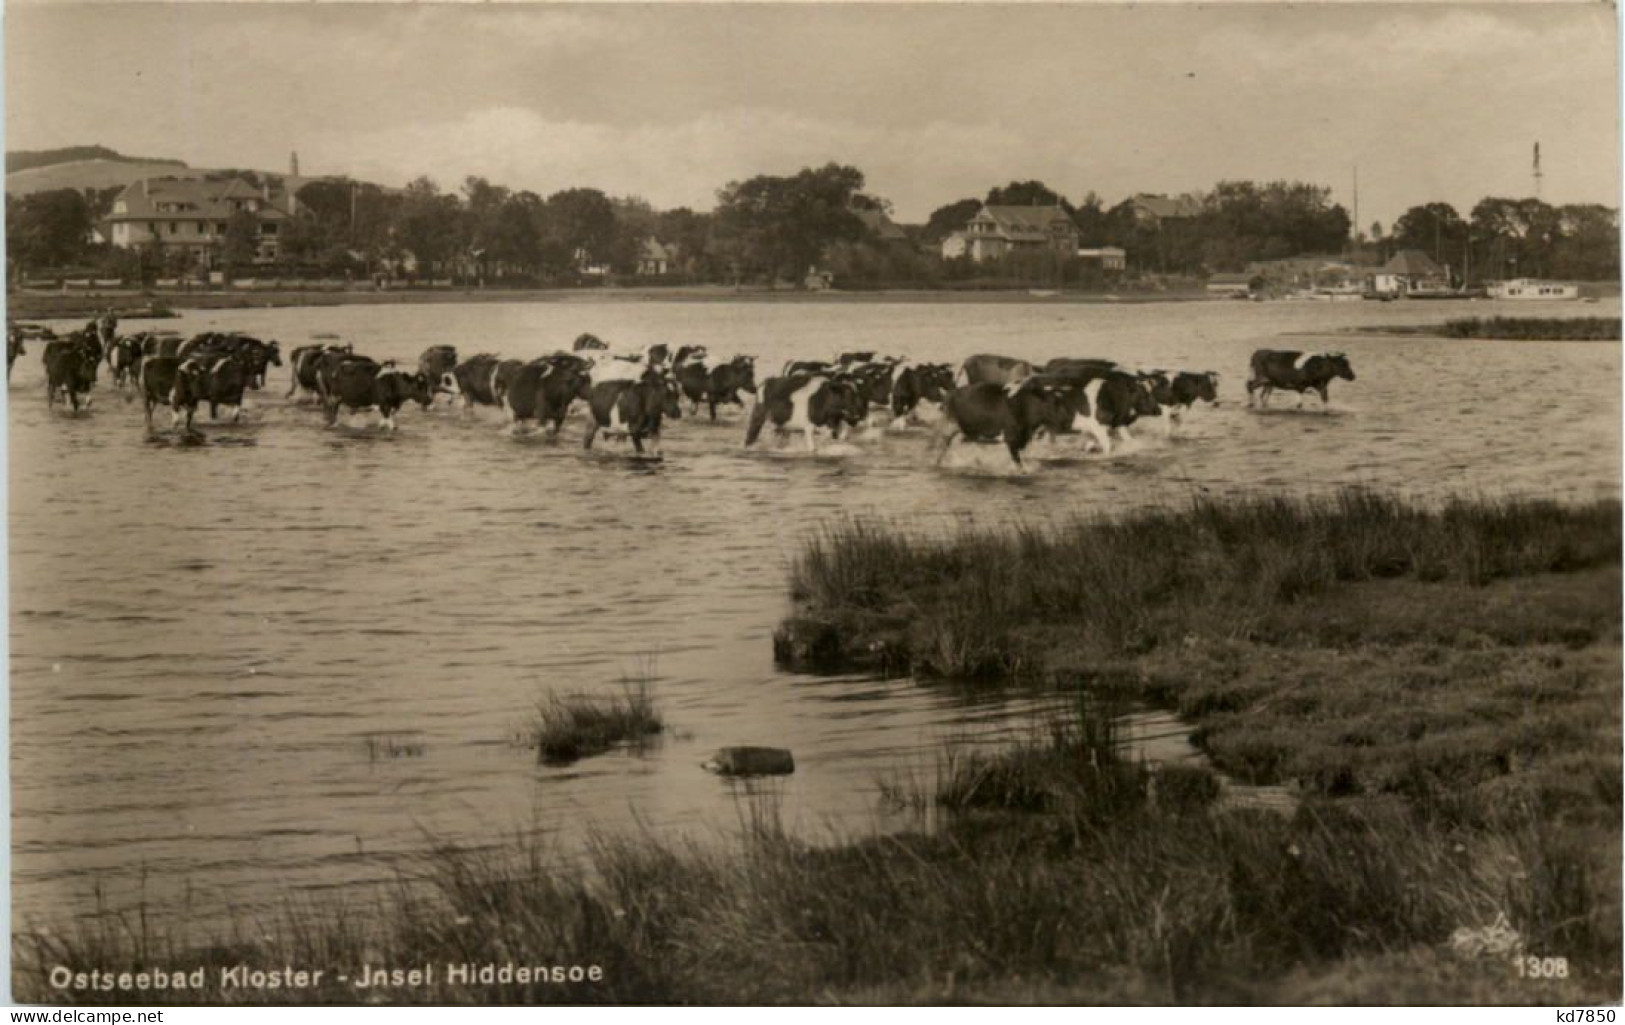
(205, 637)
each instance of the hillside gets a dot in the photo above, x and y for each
(24, 159)
(100, 173)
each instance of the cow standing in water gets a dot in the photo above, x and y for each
(216, 379)
(916, 383)
(359, 383)
(1176, 392)
(805, 403)
(70, 368)
(126, 361)
(1299, 371)
(156, 382)
(1011, 413)
(437, 363)
(302, 364)
(715, 385)
(632, 409)
(542, 390)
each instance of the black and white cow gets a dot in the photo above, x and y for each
(156, 382)
(215, 378)
(1177, 391)
(541, 391)
(1110, 402)
(437, 363)
(155, 343)
(632, 409)
(916, 383)
(472, 380)
(1012, 413)
(1299, 371)
(805, 402)
(359, 383)
(70, 368)
(985, 368)
(302, 364)
(502, 378)
(714, 385)
(126, 360)
(256, 356)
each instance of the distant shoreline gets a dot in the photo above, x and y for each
(49, 305)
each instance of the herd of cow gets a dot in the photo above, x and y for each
(631, 394)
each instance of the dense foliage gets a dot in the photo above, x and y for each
(775, 228)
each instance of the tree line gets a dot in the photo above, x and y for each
(772, 228)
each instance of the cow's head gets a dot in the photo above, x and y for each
(273, 353)
(1338, 364)
(744, 372)
(669, 394)
(686, 353)
(588, 340)
(448, 385)
(1145, 399)
(847, 402)
(1206, 386)
(419, 389)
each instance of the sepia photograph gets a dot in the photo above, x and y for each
(814, 503)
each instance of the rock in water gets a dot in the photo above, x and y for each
(751, 761)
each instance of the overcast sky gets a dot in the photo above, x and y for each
(933, 103)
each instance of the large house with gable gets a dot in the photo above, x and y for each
(997, 231)
(192, 214)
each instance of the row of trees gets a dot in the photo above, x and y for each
(1504, 238)
(772, 227)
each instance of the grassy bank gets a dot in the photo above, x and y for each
(1438, 684)
(1095, 894)
(1522, 329)
(1556, 329)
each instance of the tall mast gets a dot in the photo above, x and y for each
(1538, 175)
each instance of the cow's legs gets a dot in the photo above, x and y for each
(637, 442)
(1321, 388)
(592, 432)
(944, 441)
(807, 432)
(1102, 436)
(758, 417)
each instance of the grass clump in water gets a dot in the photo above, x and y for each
(1550, 329)
(578, 724)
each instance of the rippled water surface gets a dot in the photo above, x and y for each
(204, 638)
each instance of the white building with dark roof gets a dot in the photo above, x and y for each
(996, 231)
(192, 214)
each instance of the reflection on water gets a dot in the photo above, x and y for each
(207, 640)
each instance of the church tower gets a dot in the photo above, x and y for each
(293, 164)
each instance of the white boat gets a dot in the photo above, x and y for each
(1528, 289)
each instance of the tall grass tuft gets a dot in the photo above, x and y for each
(578, 724)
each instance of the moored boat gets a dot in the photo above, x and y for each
(1531, 289)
